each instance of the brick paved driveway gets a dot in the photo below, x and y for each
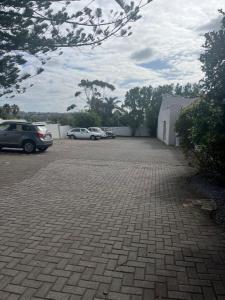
(105, 220)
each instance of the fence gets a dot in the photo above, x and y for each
(126, 131)
(59, 132)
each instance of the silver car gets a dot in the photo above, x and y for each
(98, 130)
(83, 133)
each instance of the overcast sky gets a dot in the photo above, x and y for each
(164, 48)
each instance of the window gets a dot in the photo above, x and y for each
(83, 130)
(76, 130)
(41, 128)
(27, 128)
(19, 127)
(12, 127)
(4, 127)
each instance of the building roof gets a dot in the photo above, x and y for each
(175, 102)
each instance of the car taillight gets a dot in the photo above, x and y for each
(40, 135)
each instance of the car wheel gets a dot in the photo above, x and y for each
(92, 137)
(42, 149)
(29, 147)
(73, 137)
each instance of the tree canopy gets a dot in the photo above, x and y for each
(39, 27)
(9, 111)
(213, 60)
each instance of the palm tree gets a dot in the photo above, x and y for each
(15, 109)
(111, 105)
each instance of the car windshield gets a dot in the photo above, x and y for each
(41, 128)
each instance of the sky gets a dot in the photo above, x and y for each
(164, 48)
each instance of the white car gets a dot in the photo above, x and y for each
(83, 133)
(98, 130)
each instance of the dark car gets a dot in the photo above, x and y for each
(24, 135)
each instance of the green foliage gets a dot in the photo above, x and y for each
(201, 126)
(213, 60)
(9, 111)
(95, 94)
(39, 27)
(135, 109)
(71, 107)
(85, 119)
(202, 133)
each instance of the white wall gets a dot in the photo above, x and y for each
(169, 112)
(55, 130)
(164, 115)
(63, 131)
(126, 131)
(59, 132)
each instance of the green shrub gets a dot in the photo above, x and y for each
(202, 136)
(86, 119)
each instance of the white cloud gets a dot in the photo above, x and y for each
(169, 29)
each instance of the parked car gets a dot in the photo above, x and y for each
(16, 134)
(98, 130)
(109, 133)
(83, 133)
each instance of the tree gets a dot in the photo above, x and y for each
(153, 108)
(201, 126)
(135, 110)
(15, 109)
(213, 60)
(188, 90)
(7, 111)
(202, 136)
(39, 27)
(71, 107)
(95, 93)
(86, 119)
(111, 111)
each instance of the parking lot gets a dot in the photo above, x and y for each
(106, 219)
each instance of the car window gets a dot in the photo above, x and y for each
(4, 126)
(12, 127)
(75, 130)
(41, 128)
(27, 127)
(84, 130)
(19, 127)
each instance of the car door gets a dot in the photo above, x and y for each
(85, 133)
(13, 135)
(3, 133)
(76, 133)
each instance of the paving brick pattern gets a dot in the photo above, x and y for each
(105, 220)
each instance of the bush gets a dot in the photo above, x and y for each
(202, 136)
(86, 119)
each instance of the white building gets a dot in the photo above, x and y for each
(168, 115)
